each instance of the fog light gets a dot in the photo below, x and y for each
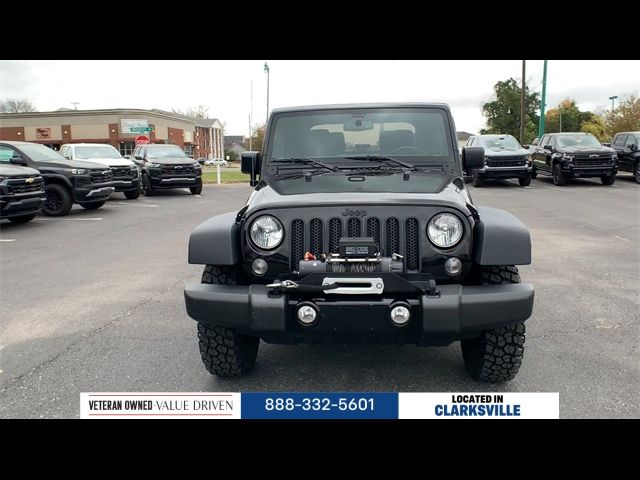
(400, 315)
(307, 315)
(259, 266)
(453, 266)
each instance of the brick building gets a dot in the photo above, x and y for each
(200, 137)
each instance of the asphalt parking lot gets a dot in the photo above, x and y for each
(93, 302)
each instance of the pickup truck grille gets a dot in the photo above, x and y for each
(124, 173)
(20, 185)
(178, 170)
(393, 235)
(101, 176)
(585, 161)
(506, 162)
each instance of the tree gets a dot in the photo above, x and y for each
(572, 118)
(194, 112)
(16, 105)
(596, 127)
(233, 156)
(257, 139)
(625, 118)
(503, 113)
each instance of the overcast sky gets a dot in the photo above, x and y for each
(225, 86)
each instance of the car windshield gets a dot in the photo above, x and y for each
(578, 141)
(499, 143)
(414, 135)
(96, 151)
(165, 152)
(40, 153)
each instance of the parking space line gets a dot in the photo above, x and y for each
(7, 239)
(136, 204)
(622, 238)
(68, 219)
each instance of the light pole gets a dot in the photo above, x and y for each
(560, 110)
(266, 70)
(613, 101)
(542, 101)
(522, 106)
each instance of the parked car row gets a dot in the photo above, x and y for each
(563, 156)
(35, 178)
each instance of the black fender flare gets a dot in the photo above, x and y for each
(51, 178)
(500, 239)
(216, 241)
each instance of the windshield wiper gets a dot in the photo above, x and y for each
(305, 161)
(382, 158)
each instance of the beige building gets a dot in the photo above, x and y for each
(200, 137)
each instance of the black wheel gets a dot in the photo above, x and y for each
(132, 194)
(22, 218)
(608, 179)
(146, 185)
(534, 173)
(496, 355)
(92, 205)
(524, 181)
(477, 180)
(636, 172)
(559, 178)
(225, 352)
(197, 189)
(59, 201)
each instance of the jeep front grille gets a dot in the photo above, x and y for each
(402, 237)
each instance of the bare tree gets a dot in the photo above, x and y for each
(16, 105)
(194, 112)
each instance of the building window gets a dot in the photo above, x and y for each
(188, 149)
(126, 148)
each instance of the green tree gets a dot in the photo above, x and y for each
(257, 139)
(194, 112)
(596, 127)
(16, 105)
(233, 156)
(572, 117)
(625, 118)
(503, 113)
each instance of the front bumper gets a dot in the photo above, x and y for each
(504, 172)
(577, 171)
(126, 185)
(93, 193)
(13, 205)
(456, 312)
(175, 182)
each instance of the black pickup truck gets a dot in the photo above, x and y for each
(66, 181)
(627, 147)
(361, 229)
(21, 190)
(167, 167)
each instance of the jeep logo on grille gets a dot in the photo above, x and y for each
(354, 213)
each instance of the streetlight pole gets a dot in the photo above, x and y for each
(613, 100)
(543, 100)
(560, 110)
(266, 70)
(522, 106)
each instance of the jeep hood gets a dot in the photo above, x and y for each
(338, 189)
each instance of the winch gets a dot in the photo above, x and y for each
(355, 255)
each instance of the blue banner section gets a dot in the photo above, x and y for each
(318, 405)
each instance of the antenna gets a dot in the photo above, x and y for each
(75, 104)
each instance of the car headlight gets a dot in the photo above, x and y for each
(75, 171)
(196, 164)
(445, 230)
(267, 232)
(154, 165)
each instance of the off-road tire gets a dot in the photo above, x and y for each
(146, 185)
(132, 194)
(636, 171)
(524, 181)
(225, 352)
(608, 179)
(92, 205)
(496, 355)
(59, 201)
(534, 174)
(22, 218)
(197, 190)
(559, 178)
(477, 180)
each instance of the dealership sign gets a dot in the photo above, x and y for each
(131, 126)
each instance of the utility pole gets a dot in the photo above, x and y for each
(613, 100)
(251, 117)
(560, 111)
(266, 70)
(522, 105)
(75, 104)
(543, 100)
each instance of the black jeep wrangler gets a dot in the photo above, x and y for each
(574, 155)
(21, 190)
(166, 167)
(360, 228)
(66, 181)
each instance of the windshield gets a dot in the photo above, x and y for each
(96, 151)
(40, 153)
(165, 152)
(578, 141)
(417, 135)
(499, 142)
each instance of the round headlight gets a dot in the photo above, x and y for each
(444, 230)
(267, 232)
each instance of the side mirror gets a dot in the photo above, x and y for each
(525, 146)
(18, 160)
(633, 147)
(138, 157)
(548, 147)
(250, 164)
(472, 158)
(607, 144)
